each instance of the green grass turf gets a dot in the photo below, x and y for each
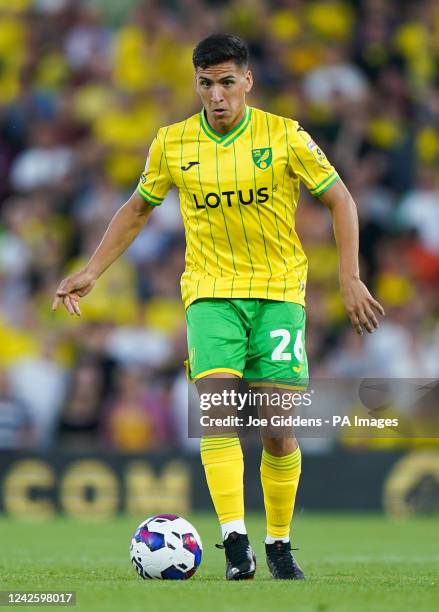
(352, 562)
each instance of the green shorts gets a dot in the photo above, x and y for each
(259, 340)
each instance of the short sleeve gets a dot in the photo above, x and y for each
(155, 180)
(309, 162)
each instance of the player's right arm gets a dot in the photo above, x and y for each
(124, 227)
(121, 232)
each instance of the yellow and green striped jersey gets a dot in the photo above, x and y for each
(238, 197)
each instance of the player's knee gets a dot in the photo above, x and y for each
(279, 446)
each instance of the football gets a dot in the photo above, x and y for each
(167, 547)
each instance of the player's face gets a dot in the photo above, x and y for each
(222, 90)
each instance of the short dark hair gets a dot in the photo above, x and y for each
(219, 48)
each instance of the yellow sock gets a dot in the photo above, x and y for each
(224, 467)
(280, 479)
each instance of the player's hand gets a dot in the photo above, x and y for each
(361, 307)
(71, 289)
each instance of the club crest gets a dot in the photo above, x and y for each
(262, 157)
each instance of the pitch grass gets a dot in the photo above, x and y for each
(353, 563)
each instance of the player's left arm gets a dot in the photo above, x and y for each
(360, 305)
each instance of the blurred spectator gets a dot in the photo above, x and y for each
(88, 41)
(336, 80)
(79, 423)
(46, 162)
(137, 417)
(15, 421)
(419, 209)
(39, 382)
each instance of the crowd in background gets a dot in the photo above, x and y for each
(83, 88)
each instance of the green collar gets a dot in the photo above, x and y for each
(226, 139)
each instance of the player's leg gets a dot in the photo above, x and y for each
(277, 341)
(217, 342)
(280, 473)
(223, 463)
(224, 468)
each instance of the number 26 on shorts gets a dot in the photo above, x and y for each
(279, 353)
